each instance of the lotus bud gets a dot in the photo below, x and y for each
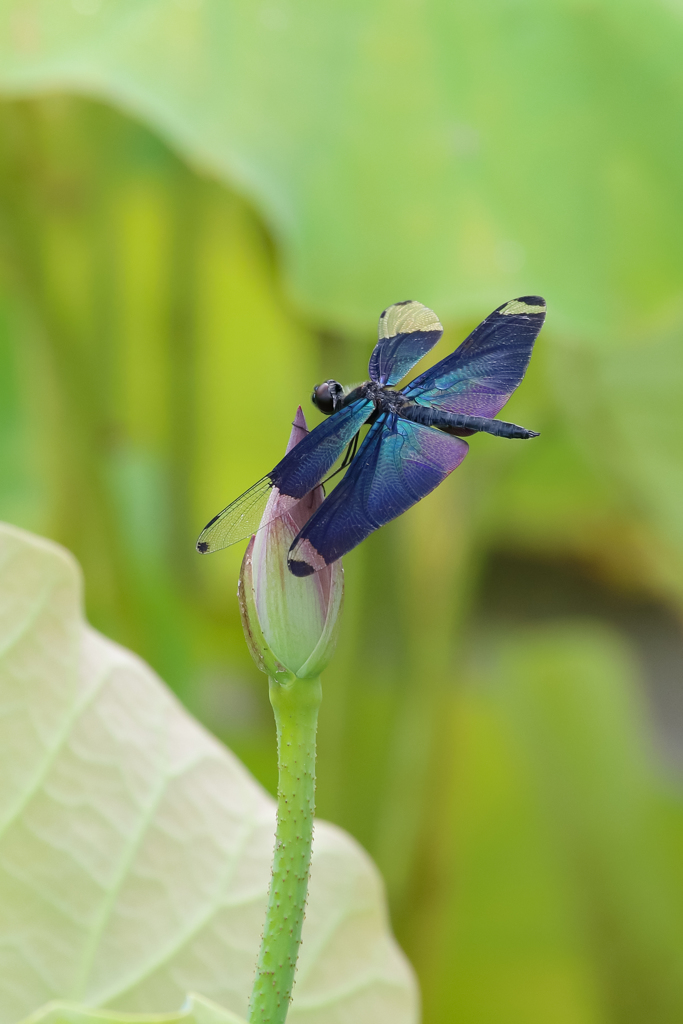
(290, 622)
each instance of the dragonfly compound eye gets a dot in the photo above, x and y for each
(325, 396)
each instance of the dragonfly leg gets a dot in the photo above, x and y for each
(349, 455)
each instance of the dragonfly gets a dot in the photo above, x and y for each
(415, 436)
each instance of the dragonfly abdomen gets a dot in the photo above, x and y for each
(457, 423)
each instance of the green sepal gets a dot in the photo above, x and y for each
(325, 647)
(253, 634)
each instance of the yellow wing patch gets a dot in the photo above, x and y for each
(406, 317)
(518, 306)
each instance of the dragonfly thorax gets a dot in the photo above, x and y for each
(384, 399)
(329, 397)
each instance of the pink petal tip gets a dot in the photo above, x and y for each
(299, 429)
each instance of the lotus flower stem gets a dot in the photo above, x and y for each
(295, 704)
(290, 625)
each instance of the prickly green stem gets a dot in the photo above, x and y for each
(295, 703)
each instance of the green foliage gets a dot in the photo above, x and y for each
(455, 152)
(135, 850)
(567, 894)
(149, 364)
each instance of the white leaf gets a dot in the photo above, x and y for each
(135, 849)
(196, 1011)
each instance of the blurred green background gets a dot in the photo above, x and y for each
(204, 205)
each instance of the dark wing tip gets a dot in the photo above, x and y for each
(202, 547)
(298, 568)
(526, 305)
(405, 302)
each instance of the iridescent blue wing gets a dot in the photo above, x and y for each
(479, 377)
(294, 476)
(398, 463)
(407, 331)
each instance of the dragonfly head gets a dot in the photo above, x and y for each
(327, 396)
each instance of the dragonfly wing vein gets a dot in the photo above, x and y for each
(407, 331)
(295, 476)
(481, 375)
(238, 520)
(398, 464)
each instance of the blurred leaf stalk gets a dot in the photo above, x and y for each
(291, 627)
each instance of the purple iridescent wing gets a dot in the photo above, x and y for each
(479, 377)
(294, 476)
(398, 463)
(407, 331)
